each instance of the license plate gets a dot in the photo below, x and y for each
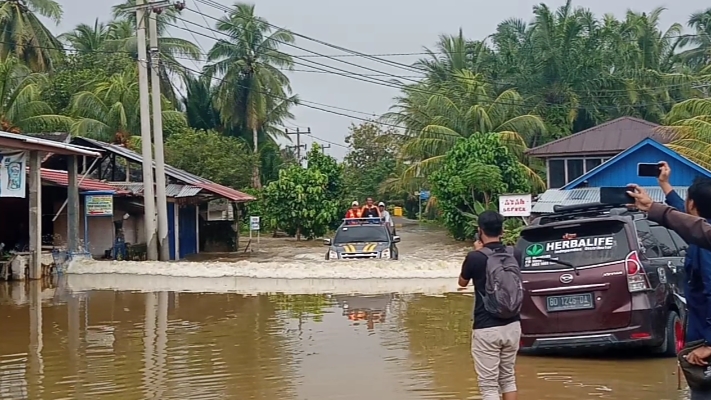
(570, 302)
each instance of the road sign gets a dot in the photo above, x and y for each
(424, 195)
(253, 223)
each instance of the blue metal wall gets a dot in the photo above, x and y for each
(624, 171)
(187, 229)
(171, 229)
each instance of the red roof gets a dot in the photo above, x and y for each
(61, 178)
(224, 191)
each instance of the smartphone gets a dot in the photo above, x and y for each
(651, 170)
(615, 195)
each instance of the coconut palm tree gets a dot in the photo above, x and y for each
(462, 107)
(253, 91)
(698, 56)
(111, 113)
(688, 128)
(87, 39)
(122, 37)
(23, 34)
(21, 107)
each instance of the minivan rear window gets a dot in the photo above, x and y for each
(578, 244)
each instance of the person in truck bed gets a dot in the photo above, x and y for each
(370, 210)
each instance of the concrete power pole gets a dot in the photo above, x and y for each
(324, 147)
(298, 146)
(149, 200)
(161, 200)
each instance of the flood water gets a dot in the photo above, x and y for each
(280, 324)
(60, 344)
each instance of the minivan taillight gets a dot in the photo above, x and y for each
(636, 277)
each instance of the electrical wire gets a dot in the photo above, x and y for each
(401, 86)
(355, 53)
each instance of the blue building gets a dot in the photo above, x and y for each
(621, 170)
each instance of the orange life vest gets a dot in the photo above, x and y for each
(351, 213)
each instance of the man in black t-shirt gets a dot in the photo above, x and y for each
(495, 341)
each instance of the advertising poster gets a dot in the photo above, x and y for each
(13, 179)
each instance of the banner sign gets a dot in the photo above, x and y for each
(13, 179)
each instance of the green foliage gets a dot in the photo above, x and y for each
(512, 231)
(300, 203)
(371, 161)
(222, 159)
(79, 72)
(316, 159)
(472, 176)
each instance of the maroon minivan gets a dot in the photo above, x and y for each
(596, 276)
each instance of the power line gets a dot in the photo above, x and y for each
(401, 86)
(355, 53)
(360, 77)
(307, 104)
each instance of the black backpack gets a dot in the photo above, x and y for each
(503, 295)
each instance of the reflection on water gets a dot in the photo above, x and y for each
(168, 345)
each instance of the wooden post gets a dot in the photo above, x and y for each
(72, 207)
(35, 183)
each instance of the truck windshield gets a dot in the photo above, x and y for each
(361, 233)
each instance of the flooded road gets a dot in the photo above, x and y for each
(425, 252)
(282, 323)
(66, 342)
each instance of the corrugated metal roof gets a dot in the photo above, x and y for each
(175, 173)
(171, 189)
(608, 138)
(553, 197)
(49, 145)
(61, 178)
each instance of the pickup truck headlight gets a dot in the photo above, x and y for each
(385, 253)
(332, 255)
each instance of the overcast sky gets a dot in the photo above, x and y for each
(371, 27)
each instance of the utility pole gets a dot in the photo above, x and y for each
(161, 200)
(149, 205)
(324, 147)
(298, 146)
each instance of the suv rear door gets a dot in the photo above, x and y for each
(592, 297)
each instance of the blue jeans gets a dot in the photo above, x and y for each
(700, 395)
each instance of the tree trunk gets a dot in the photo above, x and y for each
(256, 180)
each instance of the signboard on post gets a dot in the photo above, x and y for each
(425, 195)
(515, 205)
(254, 223)
(99, 205)
(96, 204)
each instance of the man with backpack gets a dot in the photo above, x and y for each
(496, 272)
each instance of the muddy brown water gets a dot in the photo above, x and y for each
(100, 344)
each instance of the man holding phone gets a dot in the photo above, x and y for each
(695, 230)
(697, 265)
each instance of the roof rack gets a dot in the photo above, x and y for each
(364, 221)
(588, 210)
